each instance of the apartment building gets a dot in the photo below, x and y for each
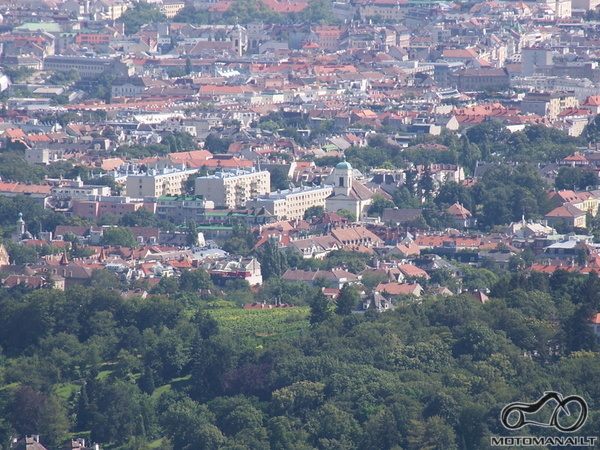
(180, 209)
(291, 204)
(548, 104)
(156, 183)
(235, 188)
(96, 207)
(170, 8)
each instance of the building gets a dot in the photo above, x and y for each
(336, 278)
(234, 188)
(182, 209)
(87, 67)
(170, 8)
(68, 190)
(462, 216)
(568, 215)
(40, 194)
(243, 269)
(29, 442)
(347, 193)
(156, 183)
(476, 79)
(292, 203)
(533, 59)
(95, 207)
(547, 104)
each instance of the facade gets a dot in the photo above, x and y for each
(87, 67)
(347, 193)
(291, 204)
(180, 209)
(548, 104)
(233, 189)
(95, 207)
(170, 8)
(567, 215)
(475, 79)
(243, 269)
(156, 183)
(66, 190)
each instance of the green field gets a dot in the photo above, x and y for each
(261, 322)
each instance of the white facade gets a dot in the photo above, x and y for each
(235, 188)
(291, 204)
(156, 183)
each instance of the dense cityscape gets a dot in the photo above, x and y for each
(294, 225)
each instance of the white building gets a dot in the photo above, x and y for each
(348, 193)
(292, 203)
(156, 183)
(233, 189)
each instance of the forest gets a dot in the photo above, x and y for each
(190, 371)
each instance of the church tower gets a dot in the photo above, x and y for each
(20, 225)
(342, 178)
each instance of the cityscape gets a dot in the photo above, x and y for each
(277, 225)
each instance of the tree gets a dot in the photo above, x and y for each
(273, 261)
(139, 218)
(192, 15)
(279, 179)
(119, 413)
(347, 300)
(245, 11)
(118, 236)
(317, 12)
(216, 145)
(320, 310)
(142, 13)
(378, 204)
(314, 211)
(191, 237)
(350, 215)
(37, 413)
(592, 130)
(575, 178)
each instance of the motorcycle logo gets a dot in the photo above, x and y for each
(520, 410)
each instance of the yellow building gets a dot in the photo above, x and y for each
(234, 188)
(170, 8)
(156, 183)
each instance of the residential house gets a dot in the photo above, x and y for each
(462, 216)
(568, 215)
(337, 278)
(396, 289)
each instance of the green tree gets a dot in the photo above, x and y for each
(118, 236)
(575, 178)
(314, 211)
(347, 300)
(272, 260)
(378, 204)
(192, 15)
(191, 237)
(279, 179)
(142, 13)
(216, 145)
(318, 11)
(320, 310)
(350, 215)
(245, 11)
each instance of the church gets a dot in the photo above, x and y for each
(348, 193)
